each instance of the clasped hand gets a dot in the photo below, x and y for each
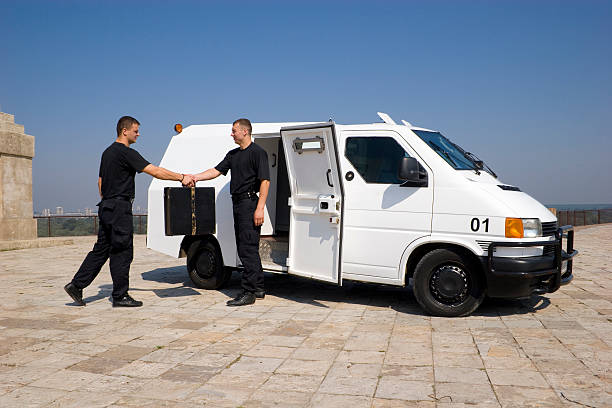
(188, 180)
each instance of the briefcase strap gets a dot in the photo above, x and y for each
(193, 214)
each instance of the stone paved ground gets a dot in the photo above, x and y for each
(305, 345)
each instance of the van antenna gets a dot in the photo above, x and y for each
(408, 124)
(386, 118)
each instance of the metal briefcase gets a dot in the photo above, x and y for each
(189, 211)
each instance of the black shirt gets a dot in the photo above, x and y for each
(118, 167)
(248, 166)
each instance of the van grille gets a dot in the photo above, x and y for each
(549, 228)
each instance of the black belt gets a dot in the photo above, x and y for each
(122, 198)
(241, 196)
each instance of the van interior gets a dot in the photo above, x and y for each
(274, 243)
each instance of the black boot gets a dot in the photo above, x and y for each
(245, 298)
(126, 301)
(75, 293)
(260, 294)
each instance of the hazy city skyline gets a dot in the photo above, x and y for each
(525, 85)
(93, 210)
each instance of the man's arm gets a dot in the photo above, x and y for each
(100, 186)
(258, 216)
(206, 175)
(165, 174)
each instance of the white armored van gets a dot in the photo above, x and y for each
(379, 203)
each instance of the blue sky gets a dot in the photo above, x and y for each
(526, 85)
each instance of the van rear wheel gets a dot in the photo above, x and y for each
(205, 266)
(446, 283)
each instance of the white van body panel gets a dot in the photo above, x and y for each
(380, 220)
(522, 205)
(195, 149)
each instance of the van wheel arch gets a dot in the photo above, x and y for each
(205, 261)
(422, 250)
(448, 280)
(190, 239)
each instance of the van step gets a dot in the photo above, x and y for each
(274, 250)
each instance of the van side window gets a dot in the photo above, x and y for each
(377, 159)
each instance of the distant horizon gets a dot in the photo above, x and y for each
(580, 206)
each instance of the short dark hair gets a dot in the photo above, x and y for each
(245, 123)
(126, 122)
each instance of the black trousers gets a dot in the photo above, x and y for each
(247, 242)
(115, 241)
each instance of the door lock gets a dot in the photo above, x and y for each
(328, 204)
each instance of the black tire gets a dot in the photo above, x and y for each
(205, 266)
(447, 283)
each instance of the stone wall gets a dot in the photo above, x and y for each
(16, 153)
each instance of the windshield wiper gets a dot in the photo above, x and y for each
(476, 163)
(444, 152)
(480, 163)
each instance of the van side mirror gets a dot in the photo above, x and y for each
(411, 172)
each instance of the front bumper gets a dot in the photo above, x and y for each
(522, 277)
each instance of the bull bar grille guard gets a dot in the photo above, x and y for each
(560, 256)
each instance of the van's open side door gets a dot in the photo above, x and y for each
(315, 225)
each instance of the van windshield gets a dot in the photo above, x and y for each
(454, 155)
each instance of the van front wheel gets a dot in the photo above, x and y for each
(205, 266)
(446, 283)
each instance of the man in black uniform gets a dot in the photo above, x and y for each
(250, 175)
(118, 167)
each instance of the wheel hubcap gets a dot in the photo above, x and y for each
(449, 284)
(205, 265)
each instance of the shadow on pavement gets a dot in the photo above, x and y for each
(171, 275)
(324, 295)
(510, 307)
(104, 291)
(295, 289)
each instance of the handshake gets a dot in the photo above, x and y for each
(188, 180)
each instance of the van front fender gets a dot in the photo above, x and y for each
(419, 247)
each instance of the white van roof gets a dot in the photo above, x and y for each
(274, 127)
(258, 128)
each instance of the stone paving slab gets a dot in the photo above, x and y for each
(35, 243)
(307, 344)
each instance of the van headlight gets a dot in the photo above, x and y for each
(523, 228)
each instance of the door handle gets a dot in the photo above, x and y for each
(274, 157)
(328, 180)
